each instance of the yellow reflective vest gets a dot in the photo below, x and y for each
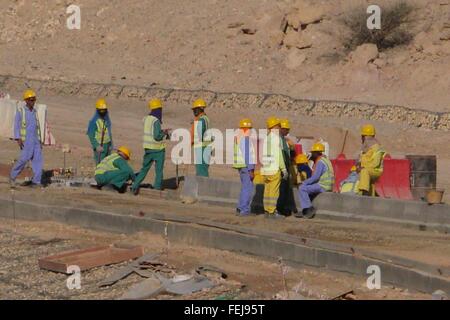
(204, 140)
(23, 125)
(327, 179)
(238, 159)
(149, 138)
(373, 158)
(272, 159)
(102, 131)
(107, 164)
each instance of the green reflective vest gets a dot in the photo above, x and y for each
(107, 164)
(327, 179)
(23, 126)
(149, 139)
(102, 130)
(205, 140)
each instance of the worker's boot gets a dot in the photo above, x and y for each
(365, 193)
(135, 191)
(122, 189)
(309, 213)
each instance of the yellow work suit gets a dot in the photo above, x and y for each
(371, 168)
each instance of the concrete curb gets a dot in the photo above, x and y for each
(401, 272)
(416, 118)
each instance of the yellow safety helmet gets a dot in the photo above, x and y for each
(245, 123)
(301, 158)
(353, 169)
(272, 122)
(285, 124)
(368, 130)
(29, 94)
(125, 151)
(155, 104)
(318, 147)
(101, 104)
(199, 103)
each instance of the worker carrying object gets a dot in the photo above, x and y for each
(27, 133)
(303, 169)
(154, 146)
(370, 166)
(200, 138)
(286, 201)
(99, 131)
(351, 183)
(114, 170)
(244, 161)
(322, 180)
(273, 168)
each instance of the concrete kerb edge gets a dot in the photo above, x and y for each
(228, 240)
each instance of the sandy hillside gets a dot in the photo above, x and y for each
(228, 46)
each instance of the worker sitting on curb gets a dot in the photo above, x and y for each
(199, 138)
(27, 133)
(244, 161)
(322, 180)
(350, 184)
(286, 201)
(154, 146)
(303, 169)
(370, 165)
(114, 170)
(99, 132)
(273, 168)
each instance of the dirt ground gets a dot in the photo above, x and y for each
(23, 243)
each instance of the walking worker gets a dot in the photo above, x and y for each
(154, 146)
(273, 168)
(370, 165)
(27, 133)
(351, 183)
(322, 180)
(200, 138)
(244, 161)
(99, 132)
(114, 170)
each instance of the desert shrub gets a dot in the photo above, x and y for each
(394, 27)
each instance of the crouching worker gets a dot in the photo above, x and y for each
(244, 161)
(114, 170)
(351, 183)
(371, 161)
(304, 172)
(322, 180)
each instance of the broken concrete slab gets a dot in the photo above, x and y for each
(190, 286)
(144, 290)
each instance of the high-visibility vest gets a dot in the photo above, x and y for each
(351, 184)
(205, 140)
(23, 125)
(272, 159)
(374, 151)
(102, 130)
(149, 139)
(238, 159)
(327, 179)
(107, 164)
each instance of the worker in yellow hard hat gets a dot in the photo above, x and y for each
(273, 168)
(370, 164)
(154, 146)
(27, 133)
(200, 138)
(351, 183)
(115, 171)
(322, 180)
(303, 169)
(99, 131)
(244, 161)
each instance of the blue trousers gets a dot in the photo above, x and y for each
(30, 152)
(307, 192)
(245, 197)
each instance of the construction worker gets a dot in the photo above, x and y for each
(114, 170)
(27, 133)
(99, 131)
(351, 183)
(273, 168)
(154, 146)
(244, 161)
(286, 202)
(199, 138)
(370, 166)
(322, 180)
(303, 170)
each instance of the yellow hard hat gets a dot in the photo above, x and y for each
(155, 104)
(199, 103)
(29, 94)
(125, 151)
(353, 169)
(101, 104)
(272, 122)
(318, 147)
(301, 158)
(368, 130)
(245, 123)
(285, 124)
